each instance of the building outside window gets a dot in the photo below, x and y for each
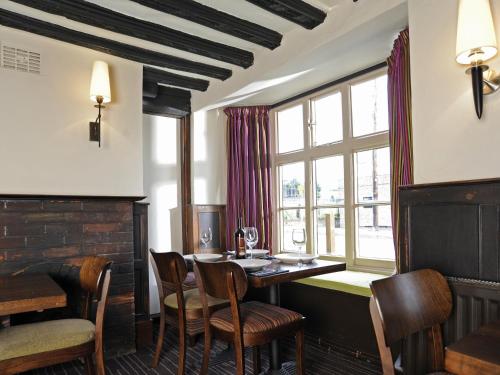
(332, 168)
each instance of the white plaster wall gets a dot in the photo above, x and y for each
(449, 142)
(44, 147)
(162, 185)
(209, 162)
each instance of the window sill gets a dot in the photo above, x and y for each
(352, 282)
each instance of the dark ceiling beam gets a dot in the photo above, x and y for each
(144, 56)
(104, 18)
(169, 102)
(167, 78)
(296, 11)
(215, 19)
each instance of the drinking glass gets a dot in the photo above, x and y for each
(251, 238)
(206, 237)
(299, 240)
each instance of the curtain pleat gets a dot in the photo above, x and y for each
(400, 126)
(249, 190)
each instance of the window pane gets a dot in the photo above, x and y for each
(375, 232)
(290, 220)
(327, 115)
(329, 177)
(292, 185)
(290, 129)
(329, 230)
(370, 107)
(373, 175)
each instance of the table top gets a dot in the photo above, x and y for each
(30, 292)
(478, 352)
(295, 272)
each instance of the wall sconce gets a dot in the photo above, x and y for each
(100, 93)
(477, 43)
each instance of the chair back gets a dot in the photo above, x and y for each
(171, 267)
(224, 280)
(408, 303)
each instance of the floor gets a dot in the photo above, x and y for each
(320, 360)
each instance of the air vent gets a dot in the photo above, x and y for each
(20, 59)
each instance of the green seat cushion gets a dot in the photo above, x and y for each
(192, 300)
(345, 281)
(27, 339)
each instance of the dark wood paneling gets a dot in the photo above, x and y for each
(169, 102)
(95, 15)
(215, 19)
(32, 25)
(453, 228)
(185, 146)
(167, 78)
(296, 11)
(53, 235)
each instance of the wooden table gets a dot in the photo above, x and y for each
(476, 353)
(24, 293)
(295, 272)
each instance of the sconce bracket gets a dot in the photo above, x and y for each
(95, 132)
(491, 79)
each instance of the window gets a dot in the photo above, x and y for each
(332, 164)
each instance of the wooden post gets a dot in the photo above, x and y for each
(330, 234)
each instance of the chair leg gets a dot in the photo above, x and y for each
(99, 361)
(89, 365)
(182, 349)
(239, 352)
(299, 343)
(256, 360)
(159, 343)
(206, 352)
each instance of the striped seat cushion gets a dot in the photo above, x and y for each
(256, 317)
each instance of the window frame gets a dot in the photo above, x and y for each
(347, 147)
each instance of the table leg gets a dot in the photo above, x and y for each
(274, 299)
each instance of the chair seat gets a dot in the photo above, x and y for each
(190, 281)
(35, 338)
(257, 318)
(192, 300)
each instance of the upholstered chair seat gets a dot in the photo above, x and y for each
(27, 339)
(192, 300)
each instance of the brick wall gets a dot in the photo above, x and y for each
(53, 234)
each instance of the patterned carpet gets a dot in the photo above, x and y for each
(320, 360)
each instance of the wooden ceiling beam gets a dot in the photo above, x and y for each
(104, 18)
(167, 78)
(169, 102)
(296, 11)
(217, 20)
(144, 56)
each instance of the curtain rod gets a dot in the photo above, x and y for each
(330, 84)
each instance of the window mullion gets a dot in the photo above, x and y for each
(308, 176)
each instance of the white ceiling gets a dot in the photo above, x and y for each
(353, 36)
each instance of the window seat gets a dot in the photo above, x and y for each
(351, 282)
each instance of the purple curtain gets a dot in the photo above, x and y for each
(400, 125)
(249, 182)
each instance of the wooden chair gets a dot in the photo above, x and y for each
(29, 346)
(248, 324)
(183, 308)
(408, 303)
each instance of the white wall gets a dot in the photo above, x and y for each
(162, 185)
(449, 142)
(209, 162)
(44, 120)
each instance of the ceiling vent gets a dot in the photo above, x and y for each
(19, 59)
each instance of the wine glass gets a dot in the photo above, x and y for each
(251, 238)
(299, 240)
(206, 237)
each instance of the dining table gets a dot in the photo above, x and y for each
(279, 273)
(27, 293)
(475, 353)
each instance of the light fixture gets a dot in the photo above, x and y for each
(100, 93)
(477, 43)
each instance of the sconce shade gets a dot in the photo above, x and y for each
(476, 39)
(99, 84)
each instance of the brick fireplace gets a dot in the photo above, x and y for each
(52, 234)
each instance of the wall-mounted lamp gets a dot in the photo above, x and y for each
(100, 93)
(477, 43)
